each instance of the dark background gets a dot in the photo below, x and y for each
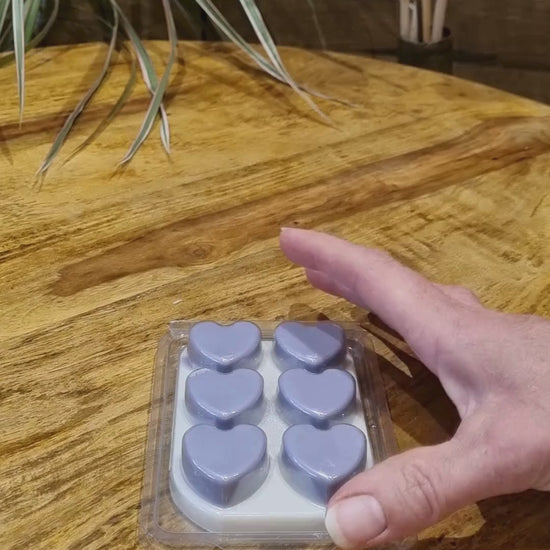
(503, 43)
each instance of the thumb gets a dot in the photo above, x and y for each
(406, 493)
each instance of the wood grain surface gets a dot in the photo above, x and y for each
(449, 176)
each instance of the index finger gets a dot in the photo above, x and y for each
(371, 278)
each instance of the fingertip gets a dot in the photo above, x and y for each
(293, 232)
(298, 245)
(286, 234)
(289, 229)
(355, 521)
(335, 533)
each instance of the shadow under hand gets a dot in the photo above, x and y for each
(418, 402)
(514, 521)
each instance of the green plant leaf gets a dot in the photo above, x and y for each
(148, 72)
(18, 24)
(8, 58)
(61, 136)
(161, 88)
(114, 111)
(190, 20)
(317, 24)
(47, 26)
(225, 28)
(32, 10)
(4, 7)
(260, 28)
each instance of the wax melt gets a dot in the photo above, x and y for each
(254, 427)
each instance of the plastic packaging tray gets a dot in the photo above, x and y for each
(174, 515)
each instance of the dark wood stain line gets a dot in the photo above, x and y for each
(74, 422)
(538, 205)
(40, 338)
(195, 95)
(212, 237)
(40, 125)
(58, 232)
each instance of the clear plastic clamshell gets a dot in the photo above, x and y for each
(253, 427)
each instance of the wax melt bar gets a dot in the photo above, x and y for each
(255, 426)
(297, 392)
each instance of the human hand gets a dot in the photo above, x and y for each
(495, 367)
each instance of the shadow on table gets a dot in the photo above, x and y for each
(515, 521)
(272, 91)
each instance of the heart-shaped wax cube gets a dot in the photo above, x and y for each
(225, 399)
(318, 462)
(316, 398)
(225, 467)
(313, 347)
(225, 347)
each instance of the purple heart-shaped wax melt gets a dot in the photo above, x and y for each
(313, 347)
(318, 462)
(225, 399)
(225, 347)
(316, 398)
(225, 467)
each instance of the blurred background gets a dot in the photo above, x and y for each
(502, 43)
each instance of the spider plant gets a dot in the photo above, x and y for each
(25, 23)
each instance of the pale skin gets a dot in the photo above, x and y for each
(495, 367)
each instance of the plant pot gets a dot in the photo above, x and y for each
(435, 57)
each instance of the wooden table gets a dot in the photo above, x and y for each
(451, 177)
